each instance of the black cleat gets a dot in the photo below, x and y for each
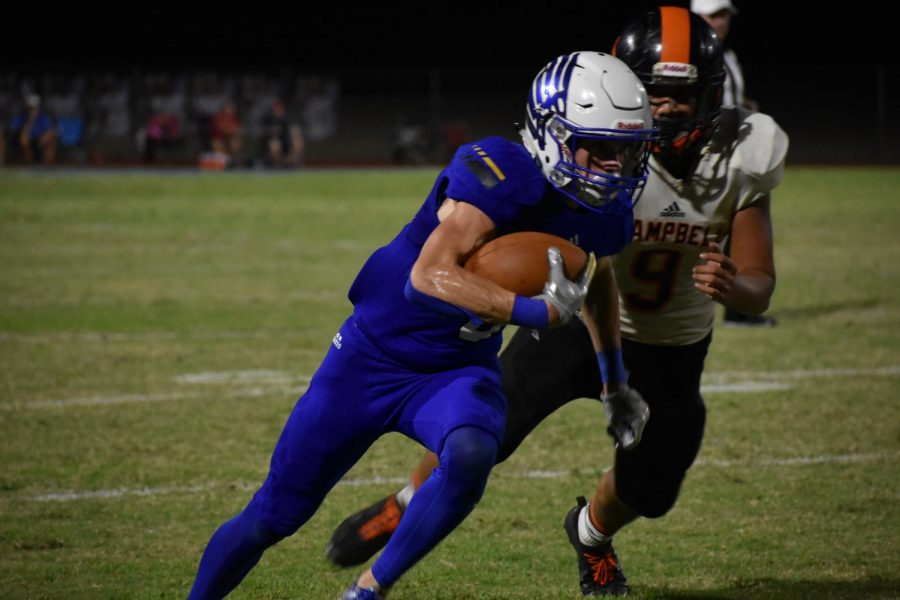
(598, 567)
(362, 534)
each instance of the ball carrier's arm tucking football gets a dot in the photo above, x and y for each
(518, 261)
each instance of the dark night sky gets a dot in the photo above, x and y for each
(416, 34)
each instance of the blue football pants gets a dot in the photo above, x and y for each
(357, 395)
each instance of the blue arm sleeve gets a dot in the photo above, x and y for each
(530, 312)
(612, 367)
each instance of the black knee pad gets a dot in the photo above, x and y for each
(541, 374)
(648, 478)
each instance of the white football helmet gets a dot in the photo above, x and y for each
(590, 101)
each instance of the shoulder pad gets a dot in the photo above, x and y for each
(757, 144)
(495, 174)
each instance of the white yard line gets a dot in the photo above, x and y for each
(808, 373)
(254, 392)
(259, 375)
(800, 461)
(270, 382)
(120, 492)
(188, 489)
(796, 461)
(97, 336)
(281, 382)
(744, 387)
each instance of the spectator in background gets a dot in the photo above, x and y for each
(165, 96)
(410, 144)
(63, 97)
(163, 129)
(283, 143)
(718, 13)
(35, 132)
(226, 132)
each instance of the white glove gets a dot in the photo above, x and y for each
(564, 294)
(626, 415)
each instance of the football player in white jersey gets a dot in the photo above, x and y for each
(711, 177)
(719, 14)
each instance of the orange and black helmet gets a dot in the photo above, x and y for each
(675, 52)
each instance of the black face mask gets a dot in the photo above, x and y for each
(671, 130)
(679, 145)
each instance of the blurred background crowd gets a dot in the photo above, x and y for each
(372, 86)
(254, 119)
(159, 117)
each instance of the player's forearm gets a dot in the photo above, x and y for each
(456, 286)
(601, 308)
(601, 311)
(751, 292)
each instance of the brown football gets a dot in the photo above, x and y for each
(518, 261)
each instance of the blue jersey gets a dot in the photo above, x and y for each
(502, 180)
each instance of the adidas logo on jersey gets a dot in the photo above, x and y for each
(338, 340)
(672, 210)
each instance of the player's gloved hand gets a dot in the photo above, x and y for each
(626, 415)
(566, 295)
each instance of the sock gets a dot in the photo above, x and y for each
(588, 533)
(405, 495)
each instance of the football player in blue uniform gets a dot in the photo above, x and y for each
(419, 353)
(710, 180)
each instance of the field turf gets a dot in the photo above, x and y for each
(156, 329)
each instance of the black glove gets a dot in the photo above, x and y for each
(626, 415)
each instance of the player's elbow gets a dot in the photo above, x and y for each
(752, 291)
(427, 293)
(767, 288)
(423, 279)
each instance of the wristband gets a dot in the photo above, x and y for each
(529, 312)
(612, 368)
(436, 305)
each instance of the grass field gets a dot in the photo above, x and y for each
(155, 331)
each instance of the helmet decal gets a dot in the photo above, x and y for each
(588, 127)
(554, 82)
(676, 35)
(549, 93)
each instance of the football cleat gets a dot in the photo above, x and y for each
(598, 567)
(363, 534)
(354, 592)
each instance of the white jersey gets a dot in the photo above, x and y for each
(674, 222)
